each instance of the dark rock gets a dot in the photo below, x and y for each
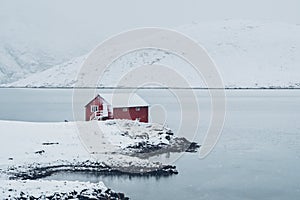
(169, 132)
(146, 150)
(49, 143)
(39, 152)
(193, 147)
(168, 137)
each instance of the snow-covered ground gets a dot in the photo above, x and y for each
(29, 137)
(53, 144)
(31, 150)
(247, 54)
(46, 189)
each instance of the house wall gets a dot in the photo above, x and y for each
(96, 101)
(131, 113)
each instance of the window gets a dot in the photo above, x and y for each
(94, 108)
(125, 109)
(137, 108)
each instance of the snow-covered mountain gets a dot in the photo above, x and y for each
(19, 62)
(252, 54)
(27, 48)
(247, 53)
(62, 75)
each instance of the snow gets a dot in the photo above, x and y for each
(124, 133)
(247, 54)
(27, 146)
(62, 74)
(119, 100)
(46, 144)
(27, 48)
(38, 188)
(17, 63)
(19, 58)
(29, 138)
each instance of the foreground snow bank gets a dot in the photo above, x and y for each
(42, 189)
(30, 151)
(35, 150)
(28, 142)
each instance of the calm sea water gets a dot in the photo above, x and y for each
(257, 156)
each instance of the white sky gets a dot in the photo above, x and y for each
(85, 23)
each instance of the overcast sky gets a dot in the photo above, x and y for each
(87, 22)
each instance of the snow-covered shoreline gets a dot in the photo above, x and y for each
(43, 145)
(43, 189)
(31, 150)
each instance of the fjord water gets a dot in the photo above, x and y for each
(257, 156)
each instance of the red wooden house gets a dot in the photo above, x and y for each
(117, 106)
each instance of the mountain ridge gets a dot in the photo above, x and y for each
(248, 54)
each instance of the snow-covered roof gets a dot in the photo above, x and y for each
(118, 100)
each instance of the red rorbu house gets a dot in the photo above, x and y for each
(117, 106)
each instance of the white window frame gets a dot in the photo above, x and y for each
(125, 109)
(94, 106)
(137, 109)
